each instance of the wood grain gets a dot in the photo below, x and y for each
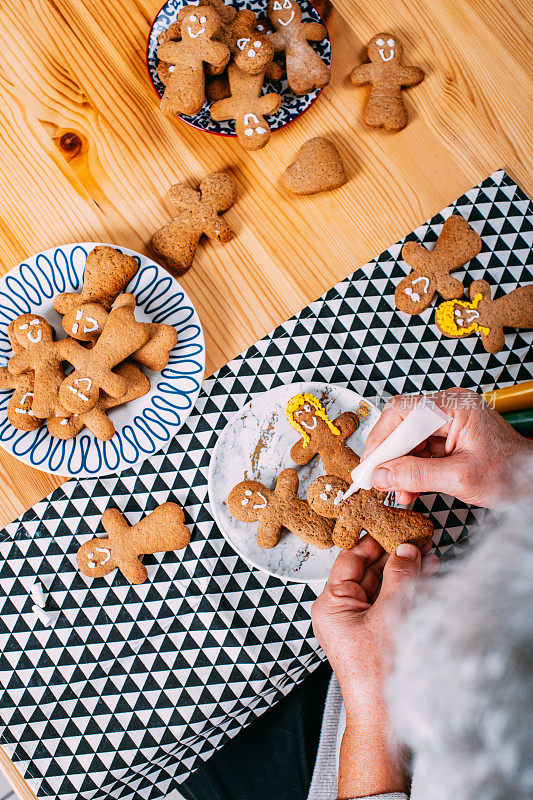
(86, 155)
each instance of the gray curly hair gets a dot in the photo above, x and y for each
(461, 695)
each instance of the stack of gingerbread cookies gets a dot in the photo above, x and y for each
(325, 518)
(105, 345)
(235, 52)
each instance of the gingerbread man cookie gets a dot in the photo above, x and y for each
(163, 530)
(251, 501)
(319, 435)
(247, 107)
(107, 272)
(86, 323)
(121, 336)
(65, 426)
(388, 76)
(456, 245)
(185, 84)
(459, 318)
(305, 69)
(38, 352)
(364, 510)
(19, 409)
(196, 212)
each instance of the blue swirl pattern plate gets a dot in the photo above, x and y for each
(142, 426)
(292, 106)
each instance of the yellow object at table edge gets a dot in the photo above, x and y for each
(511, 398)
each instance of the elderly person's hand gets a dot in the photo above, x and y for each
(351, 620)
(474, 456)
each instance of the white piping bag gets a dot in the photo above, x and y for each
(422, 422)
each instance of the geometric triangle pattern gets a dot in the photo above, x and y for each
(132, 685)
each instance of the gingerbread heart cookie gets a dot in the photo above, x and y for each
(317, 167)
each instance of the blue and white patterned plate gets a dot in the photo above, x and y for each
(292, 106)
(142, 426)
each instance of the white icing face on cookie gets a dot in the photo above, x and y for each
(247, 500)
(194, 25)
(95, 559)
(252, 126)
(385, 48)
(306, 417)
(85, 323)
(283, 12)
(464, 317)
(30, 329)
(419, 287)
(23, 407)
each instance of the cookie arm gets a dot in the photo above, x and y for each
(362, 74)
(169, 52)
(314, 31)
(270, 103)
(410, 76)
(449, 287)
(223, 109)
(347, 423)
(302, 455)
(21, 362)
(216, 54)
(277, 40)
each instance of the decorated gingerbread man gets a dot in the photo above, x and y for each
(305, 69)
(459, 318)
(87, 322)
(19, 408)
(40, 354)
(251, 501)
(161, 531)
(65, 426)
(196, 212)
(121, 336)
(364, 510)
(430, 274)
(185, 87)
(388, 76)
(247, 107)
(319, 435)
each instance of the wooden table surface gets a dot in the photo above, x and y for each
(86, 155)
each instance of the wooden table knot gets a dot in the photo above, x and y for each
(70, 145)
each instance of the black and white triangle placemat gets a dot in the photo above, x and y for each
(133, 684)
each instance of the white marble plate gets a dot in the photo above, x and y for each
(255, 445)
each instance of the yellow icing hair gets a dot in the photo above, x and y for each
(444, 317)
(299, 400)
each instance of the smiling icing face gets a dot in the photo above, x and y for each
(249, 500)
(384, 48)
(252, 126)
(31, 329)
(283, 12)
(306, 417)
(94, 558)
(86, 322)
(199, 22)
(418, 287)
